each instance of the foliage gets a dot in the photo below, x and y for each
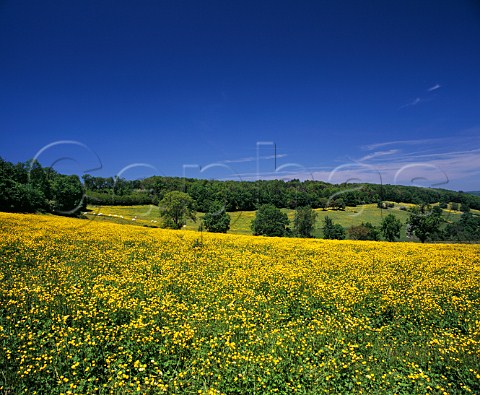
(99, 308)
(338, 204)
(385, 205)
(269, 221)
(424, 222)
(217, 219)
(332, 231)
(247, 195)
(467, 229)
(27, 187)
(304, 221)
(240, 223)
(67, 194)
(22, 198)
(175, 208)
(235, 195)
(391, 227)
(364, 231)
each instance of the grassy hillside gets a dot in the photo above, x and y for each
(148, 215)
(91, 307)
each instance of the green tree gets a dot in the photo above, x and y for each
(332, 231)
(39, 178)
(364, 231)
(216, 219)
(269, 221)
(67, 194)
(304, 221)
(24, 198)
(424, 222)
(323, 203)
(467, 229)
(391, 227)
(16, 193)
(373, 231)
(175, 208)
(338, 204)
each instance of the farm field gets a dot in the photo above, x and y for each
(98, 307)
(148, 215)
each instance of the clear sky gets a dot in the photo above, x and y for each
(339, 90)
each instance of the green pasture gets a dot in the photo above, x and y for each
(149, 216)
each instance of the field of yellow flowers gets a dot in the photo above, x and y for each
(102, 308)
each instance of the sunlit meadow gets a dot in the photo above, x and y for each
(90, 307)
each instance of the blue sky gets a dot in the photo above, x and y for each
(376, 91)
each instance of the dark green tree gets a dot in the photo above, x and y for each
(338, 204)
(175, 208)
(40, 178)
(364, 231)
(216, 219)
(15, 194)
(67, 194)
(323, 203)
(121, 186)
(23, 198)
(424, 222)
(304, 221)
(467, 229)
(373, 231)
(269, 221)
(391, 227)
(332, 231)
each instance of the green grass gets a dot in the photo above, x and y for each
(149, 215)
(353, 216)
(135, 215)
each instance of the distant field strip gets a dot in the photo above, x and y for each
(98, 307)
(149, 215)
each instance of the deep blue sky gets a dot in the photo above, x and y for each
(344, 89)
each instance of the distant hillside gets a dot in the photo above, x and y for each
(249, 195)
(28, 187)
(475, 193)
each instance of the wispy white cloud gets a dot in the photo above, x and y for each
(378, 154)
(253, 158)
(419, 99)
(441, 161)
(414, 102)
(446, 162)
(455, 170)
(370, 147)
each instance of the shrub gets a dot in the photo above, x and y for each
(269, 221)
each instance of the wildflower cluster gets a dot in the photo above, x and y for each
(112, 309)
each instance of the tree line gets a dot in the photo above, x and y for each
(250, 195)
(29, 187)
(425, 222)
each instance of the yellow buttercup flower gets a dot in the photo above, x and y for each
(105, 308)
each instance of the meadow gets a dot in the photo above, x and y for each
(149, 215)
(92, 307)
